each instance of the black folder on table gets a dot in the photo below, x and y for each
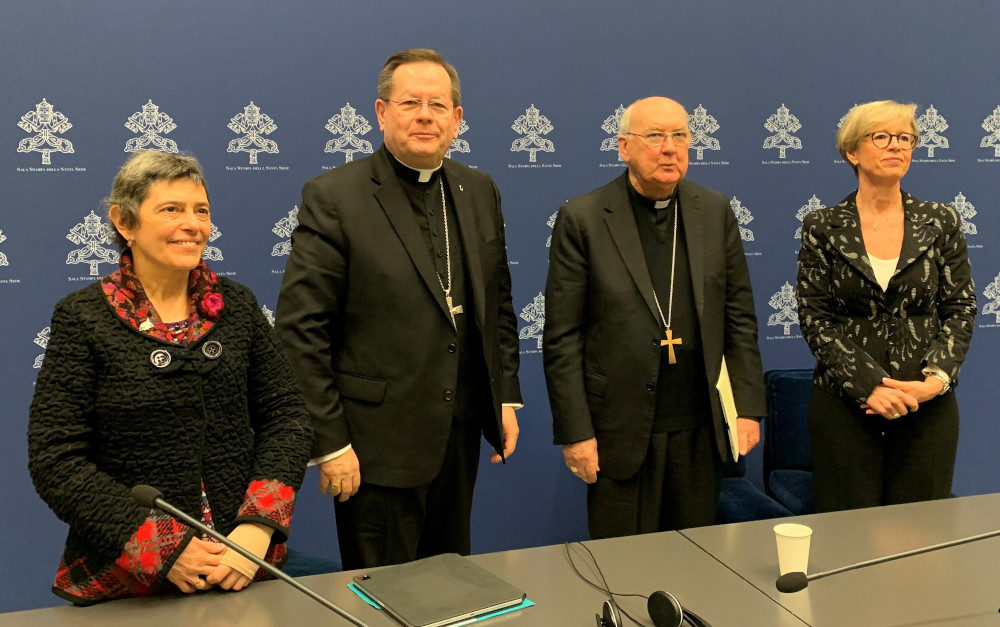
(437, 591)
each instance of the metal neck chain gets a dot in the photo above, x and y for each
(896, 211)
(673, 264)
(447, 244)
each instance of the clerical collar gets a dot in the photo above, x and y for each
(648, 203)
(414, 175)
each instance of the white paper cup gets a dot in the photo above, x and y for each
(793, 547)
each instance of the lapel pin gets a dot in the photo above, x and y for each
(460, 188)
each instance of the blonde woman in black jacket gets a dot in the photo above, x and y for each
(886, 304)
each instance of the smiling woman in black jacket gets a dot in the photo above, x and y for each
(886, 303)
(164, 374)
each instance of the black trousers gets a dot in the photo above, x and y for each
(862, 460)
(676, 487)
(381, 525)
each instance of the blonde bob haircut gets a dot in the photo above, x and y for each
(864, 118)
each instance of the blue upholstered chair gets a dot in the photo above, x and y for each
(299, 564)
(740, 500)
(787, 456)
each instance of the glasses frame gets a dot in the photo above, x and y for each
(897, 137)
(673, 136)
(430, 104)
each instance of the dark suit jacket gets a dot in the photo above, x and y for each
(602, 330)
(363, 320)
(859, 333)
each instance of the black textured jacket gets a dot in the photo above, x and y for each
(860, 333)
(107, 416)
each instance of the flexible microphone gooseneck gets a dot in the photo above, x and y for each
(148, 496)
(797, 581)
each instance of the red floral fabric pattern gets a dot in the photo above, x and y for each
(126, 296)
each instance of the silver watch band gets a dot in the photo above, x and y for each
(946, 385)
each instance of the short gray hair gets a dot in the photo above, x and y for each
(417, 55)
(863, 117)
(131, 185)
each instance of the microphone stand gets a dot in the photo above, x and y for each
(794, 582)
(151, 497)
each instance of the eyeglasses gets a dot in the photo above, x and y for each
(412, 105)
(656, 139)
(882, 139)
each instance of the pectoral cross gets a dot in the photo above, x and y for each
(457, 309)
(669, 343)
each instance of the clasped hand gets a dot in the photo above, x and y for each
(893, 398)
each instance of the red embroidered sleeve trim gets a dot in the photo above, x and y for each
(134, 573)
(151, 546)
(269, 499)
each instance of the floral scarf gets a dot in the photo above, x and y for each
(126, 296)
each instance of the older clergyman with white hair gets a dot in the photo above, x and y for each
(647, 290)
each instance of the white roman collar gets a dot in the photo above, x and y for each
(425, 174)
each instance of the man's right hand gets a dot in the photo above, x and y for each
(581, 459)
(343, 471)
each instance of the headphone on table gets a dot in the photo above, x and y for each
(664, 608)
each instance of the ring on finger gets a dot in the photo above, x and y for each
(199, 584)
(896, 415)
(573, 469)
(335, 489)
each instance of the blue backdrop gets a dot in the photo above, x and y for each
(269, 94)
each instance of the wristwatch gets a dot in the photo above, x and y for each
(940, 376)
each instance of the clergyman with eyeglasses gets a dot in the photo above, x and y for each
(886, 304)
(647, 290)
(395, 311)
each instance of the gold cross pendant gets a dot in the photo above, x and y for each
(669, 343)
(452, 309)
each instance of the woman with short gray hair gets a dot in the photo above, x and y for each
(163, 373)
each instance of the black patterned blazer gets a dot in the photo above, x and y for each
(860, 334)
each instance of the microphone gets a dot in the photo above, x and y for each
(148, 496)
(797, 581)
